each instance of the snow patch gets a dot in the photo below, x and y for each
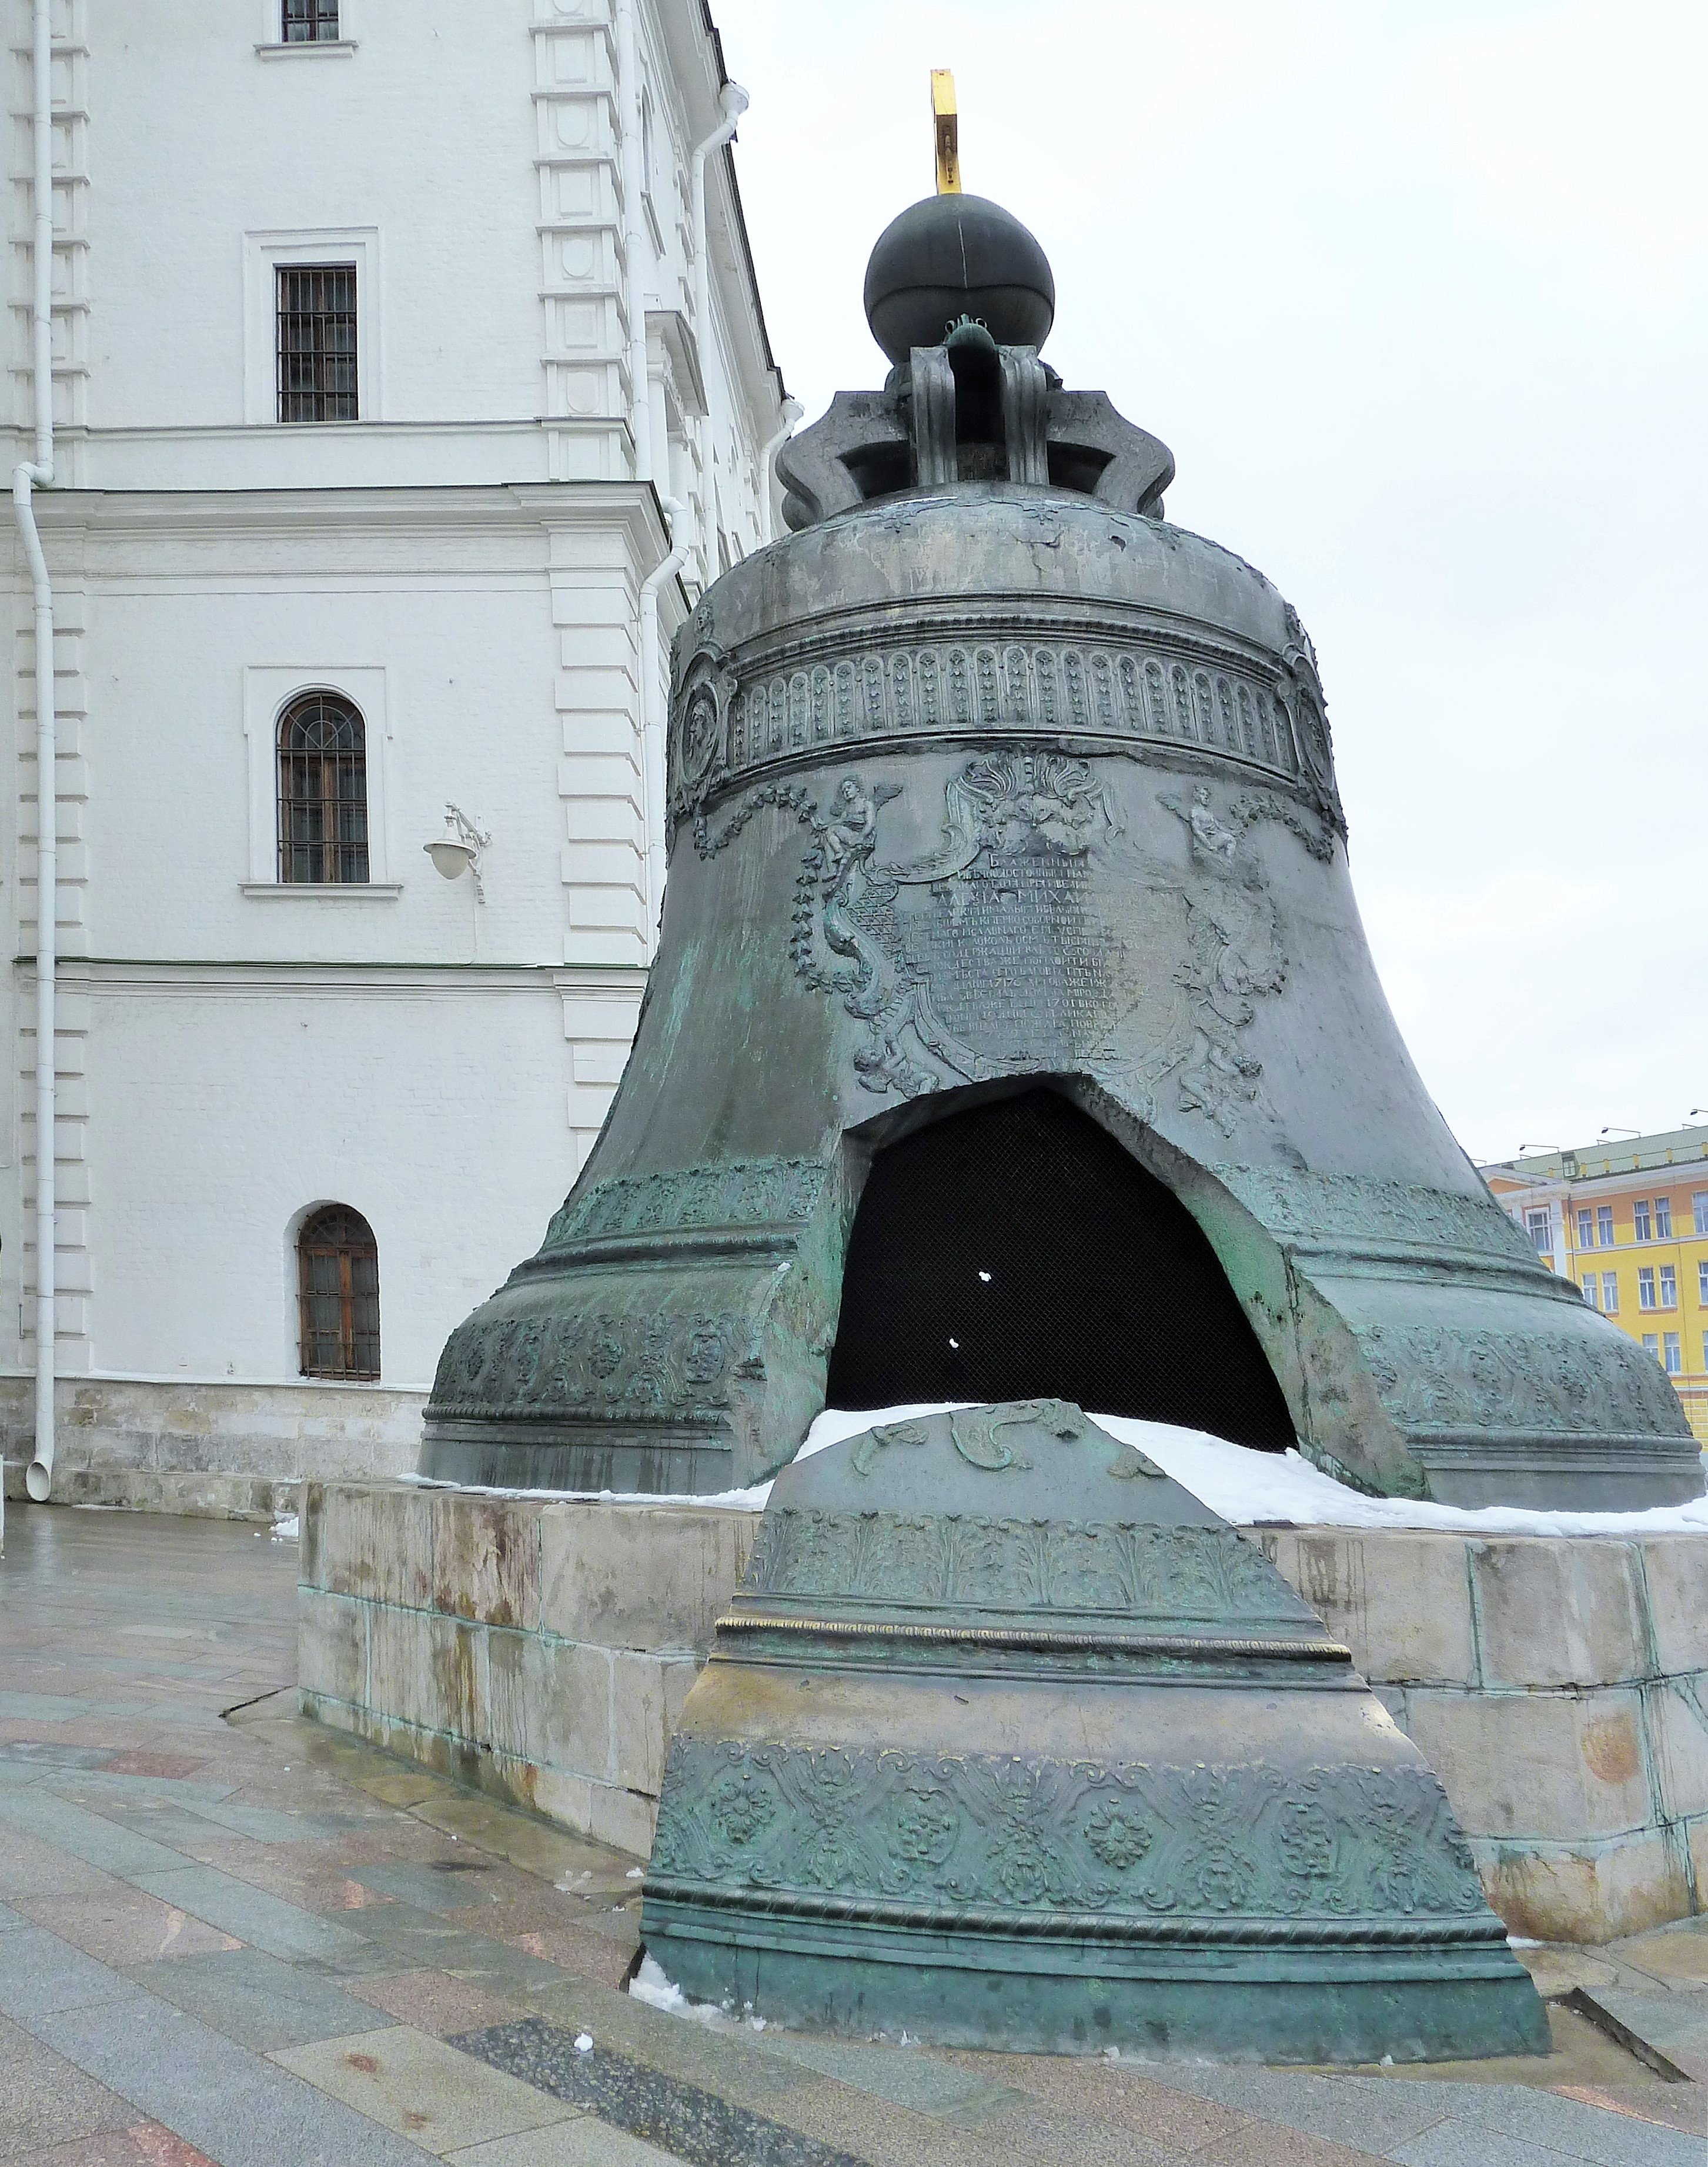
(286, 1529)
(650, 1984)
(1245, 1487)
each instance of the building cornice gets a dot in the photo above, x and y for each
(632, 507)
(265, 976)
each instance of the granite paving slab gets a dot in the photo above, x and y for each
(910, 2080)
(1677, 2023)
(31, 1867)
(434, 2001)
(241, 2109)
(172, 1767)
(453, 1886)
(1027, 2136)
(94, 1786)
(257, 1999)
(1682, 2107)
(125, 1926)
(589, 1952)
(267, 1922)
(41, 1975)
(92, 1837)
(1678, 1954)
(736, 2062)
(144, 2144)
(1260, 2145)
(1110, 2092)
(1463, 2144)
(423, 2088)
(697, 2126)
(577, 2141)
(38, 1754)
(46, 2099)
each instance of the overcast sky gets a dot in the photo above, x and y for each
(1416, 295)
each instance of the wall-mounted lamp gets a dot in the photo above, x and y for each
(458, 850)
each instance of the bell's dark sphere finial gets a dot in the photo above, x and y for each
(954, 256)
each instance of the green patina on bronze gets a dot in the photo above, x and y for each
(987, 777)
(1008, 1740)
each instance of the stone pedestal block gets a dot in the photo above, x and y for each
(542, 1649)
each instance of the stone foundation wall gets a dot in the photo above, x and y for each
(541, 1651)
(235, 1452)
(1559, 1686)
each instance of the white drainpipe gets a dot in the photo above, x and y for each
(628, 62)
(28, 476)
(792, 411)
(652, 715)
(735, 102)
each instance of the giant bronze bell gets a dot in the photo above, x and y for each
(1012, 1030)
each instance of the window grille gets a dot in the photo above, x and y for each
(1610, 1293)
(338, 1295)
(310, 21)
(322, 793)
(1639, 1219)
(1645, 1288)
(1591, 1292)
(1669, 1287)
(1663, 1218)
(1604, 1226)
(1672, 1354)
(317, 342)
(1586, 1230)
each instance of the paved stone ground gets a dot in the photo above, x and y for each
(235, 1937)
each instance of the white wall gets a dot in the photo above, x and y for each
(224, 1106)
(464, 560)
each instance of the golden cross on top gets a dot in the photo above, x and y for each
(948, 128)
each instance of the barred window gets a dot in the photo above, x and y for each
(338, 1295)
(322, 793)
(317, 342)
(310, 21)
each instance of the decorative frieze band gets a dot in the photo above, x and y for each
(726, 729)
(656, 1367)
(736, 1193)
(1436, 1378)
(984, 1563)
(1321, 1209)
(983, 1834)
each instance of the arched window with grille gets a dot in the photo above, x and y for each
(322, 793)
(338, 1295)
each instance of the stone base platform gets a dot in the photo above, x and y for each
(542, 1650)
(208, 1451)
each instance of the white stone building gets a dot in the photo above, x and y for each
(353, 505)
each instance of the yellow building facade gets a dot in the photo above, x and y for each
(1627, 1222)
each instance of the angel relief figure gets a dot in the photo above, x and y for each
(1000, 809)
(1234, 956)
